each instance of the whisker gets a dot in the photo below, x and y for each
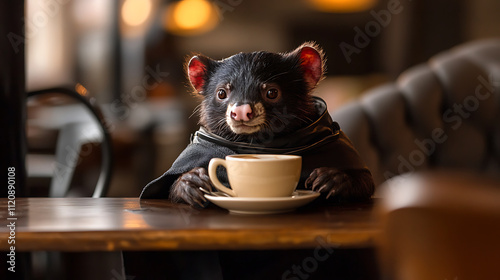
(196, 110)
(276, 75)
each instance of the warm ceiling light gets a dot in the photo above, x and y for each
(81, 89)
(191, 14)
(190, 17)
(135, 12)
(342, 6)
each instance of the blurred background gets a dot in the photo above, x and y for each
(128, 56)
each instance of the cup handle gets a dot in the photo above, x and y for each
(212, 173)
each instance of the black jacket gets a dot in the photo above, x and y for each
(321, 144)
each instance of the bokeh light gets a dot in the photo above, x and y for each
(135, 12)
(189, 17)
(342, 6)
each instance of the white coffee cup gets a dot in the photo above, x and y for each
(258, 175)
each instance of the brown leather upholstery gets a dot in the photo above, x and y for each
(439, 225)
(443, 113)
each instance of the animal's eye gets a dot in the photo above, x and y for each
(221, 93)
(272, 93)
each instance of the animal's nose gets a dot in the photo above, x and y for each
(242, 113)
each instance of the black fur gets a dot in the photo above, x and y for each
(242, 76)
(246, 72)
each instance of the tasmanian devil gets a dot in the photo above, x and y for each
(261, 102)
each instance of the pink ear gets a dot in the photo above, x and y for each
(196, 73)
(311, 62)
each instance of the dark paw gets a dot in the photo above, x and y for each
(187, 187)
(329, 181)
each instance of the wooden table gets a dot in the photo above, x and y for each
(112, 224)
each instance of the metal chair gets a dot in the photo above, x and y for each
(72, 136)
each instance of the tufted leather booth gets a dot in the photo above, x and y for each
(442, 113)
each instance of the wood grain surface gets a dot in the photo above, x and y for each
(109, 224)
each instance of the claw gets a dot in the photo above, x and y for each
(324, 187)
(331, 193)
(187, 188)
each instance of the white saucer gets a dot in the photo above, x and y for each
(258, 205)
